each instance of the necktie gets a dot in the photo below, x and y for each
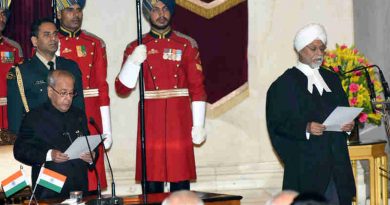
(51, 64)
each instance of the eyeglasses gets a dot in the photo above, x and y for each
(64, 93)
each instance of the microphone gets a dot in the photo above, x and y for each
(99, 191)
(114, 200)
(385, 85)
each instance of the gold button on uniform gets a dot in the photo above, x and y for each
(66, 38)
(92, 53)
(151, 67)
(154, 77)
(77, 38)
(175, 86)
(93, 43)
(175, 76)
(88, 76)
(90, 65)
(157, 87)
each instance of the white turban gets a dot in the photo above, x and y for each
(308, 34)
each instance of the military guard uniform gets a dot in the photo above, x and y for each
(89, 52)
(11, 54)
(173, 79)
(27, 87)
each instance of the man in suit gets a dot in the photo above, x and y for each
(48, 130)
(175, 98)
(89, 51)
(27, 82)
(315, 160)
(11, 54)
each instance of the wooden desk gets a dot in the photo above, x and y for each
(208, 198)
(374, 152)
(154, 199)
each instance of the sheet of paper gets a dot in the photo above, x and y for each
(80, 146)
(341, 116)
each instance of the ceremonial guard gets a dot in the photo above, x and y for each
(174, 99)
(89, 51)
(11, 54)
(27, 82)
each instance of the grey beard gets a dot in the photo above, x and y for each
(318, 62)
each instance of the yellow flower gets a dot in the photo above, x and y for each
(344, 59)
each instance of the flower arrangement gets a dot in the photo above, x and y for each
(344, 59)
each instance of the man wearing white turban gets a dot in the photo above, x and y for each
(314, 159)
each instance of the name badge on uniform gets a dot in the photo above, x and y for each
(81, 51)
(172, 54)
(7, 57)
(39, 82)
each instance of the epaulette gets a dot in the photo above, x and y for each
(191, 40)
(15, 44)
(95, 36)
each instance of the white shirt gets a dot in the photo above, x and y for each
(44, 61)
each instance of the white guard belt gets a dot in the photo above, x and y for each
(3, 101)
(163, 94)
(88, 93)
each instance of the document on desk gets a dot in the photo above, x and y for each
(340, 116)
(80, 146)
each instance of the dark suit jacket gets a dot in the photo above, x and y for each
(46, 128)
(34, 74)
(308, 164)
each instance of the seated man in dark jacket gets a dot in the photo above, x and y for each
(48, 130)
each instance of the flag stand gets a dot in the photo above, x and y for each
(35, 187)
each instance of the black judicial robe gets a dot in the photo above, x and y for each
(308, 164)
(47, 128)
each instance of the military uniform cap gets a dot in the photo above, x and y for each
(63, 4)
(147, 6)
(4, 4)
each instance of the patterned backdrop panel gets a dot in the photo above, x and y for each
(221, 29)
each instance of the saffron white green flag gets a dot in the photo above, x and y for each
(51, 179)
(14, 183)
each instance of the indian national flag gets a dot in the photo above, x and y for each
(14, 183)
(51, 179)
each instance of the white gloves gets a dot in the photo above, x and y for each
(106, 124)
(198, 131)
(130, 70)
(138, 56)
